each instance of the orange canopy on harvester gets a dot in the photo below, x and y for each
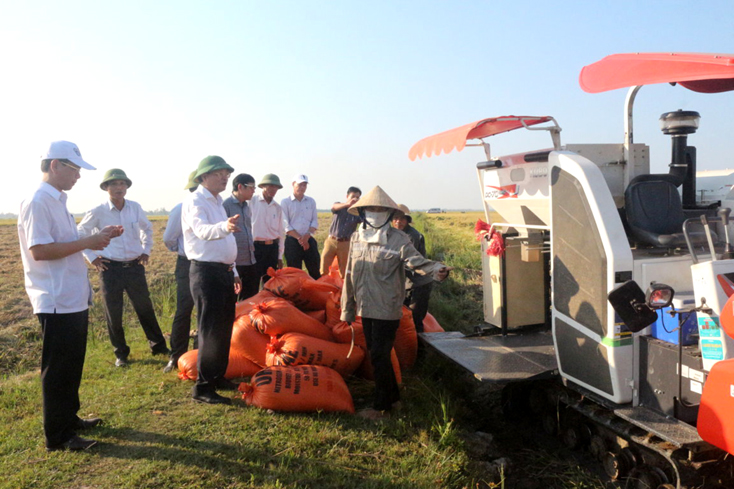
(455, 139)
(705, 73)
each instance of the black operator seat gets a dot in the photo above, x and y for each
(655, 215)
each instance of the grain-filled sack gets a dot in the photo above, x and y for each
(406, 340)
(247, 339)
(238, 366)
(305, 388)
(333, 309)
(278, 316)
(430, 325)
(299, 349)
(333, 277)
(319, 316)
(298, 287)
(245, 306)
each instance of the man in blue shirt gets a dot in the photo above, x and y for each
(243, 187)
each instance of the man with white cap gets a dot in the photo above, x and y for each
(212, 249)
(181, 325)
(58, 287)
(301, 221)
(121, 265)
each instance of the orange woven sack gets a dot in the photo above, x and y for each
(430, 325)
(333, 277)
(305, 388)
(298, 349)
(343, 333)
(285, 282)
(298, 287)
(247, 339)
(406, 340)
(245, 306)
(333, 309)
(187, 365)
(238, 366)
(319, 316)
(277, 316)
(365, 370)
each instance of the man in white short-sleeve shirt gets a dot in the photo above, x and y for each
(59, 290)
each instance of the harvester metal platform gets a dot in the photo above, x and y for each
(496, 358)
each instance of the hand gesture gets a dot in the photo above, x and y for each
(443, 273)
(143, 259)
(100, 264)
(237, 285)
(232, 226)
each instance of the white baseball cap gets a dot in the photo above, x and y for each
(65, 150)
(300, 178)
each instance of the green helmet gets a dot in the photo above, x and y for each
(191, 184)
(270, 179)
(114, 174)
(210, 164)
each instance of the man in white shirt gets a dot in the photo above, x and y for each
(212, 249)
(267, 226)
(59, 290)
(181, 325)
(121, 265)
(301, 221)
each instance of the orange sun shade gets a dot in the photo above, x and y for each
(455, 139)
(705, 73)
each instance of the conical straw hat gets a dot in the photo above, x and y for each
(375, 197)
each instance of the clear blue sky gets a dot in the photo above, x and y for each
(338, 90)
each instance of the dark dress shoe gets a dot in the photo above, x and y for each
(85, 424)
(75, 444)
(226, 385)
(212, 398)
(169, 366)
(121, 362)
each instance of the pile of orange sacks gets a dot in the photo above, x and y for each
(290, 341)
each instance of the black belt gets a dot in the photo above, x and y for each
(340, 240)
(213, 264)
(121, 264)
(267, 242)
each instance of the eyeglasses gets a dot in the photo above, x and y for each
(249, 185)
(69, 165)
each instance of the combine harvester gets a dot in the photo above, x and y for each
(644, 381)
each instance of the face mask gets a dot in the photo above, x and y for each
(376, 219)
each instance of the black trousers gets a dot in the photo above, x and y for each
(181, 326)
(250, 281)
(62, 362)
(212, 285)
(295, 255)
(266, 256)
(417, 300)
(119, 278)
(380, 337)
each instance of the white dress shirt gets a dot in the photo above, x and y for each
(204, 224)
(136, 240)
(54, 286)
(173, 235)
(299, 215)
(267, 221)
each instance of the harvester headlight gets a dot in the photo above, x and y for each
(680, 122)
(659, 296)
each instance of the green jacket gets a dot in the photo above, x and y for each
(374, 283)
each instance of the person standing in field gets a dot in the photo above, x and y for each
(212, 249)
(181, 325)
(268, 227)
(243, 188)
(342, 226)
(374, 288)
(121, 265)
(301, 221)
(417, 287)
(57, 284)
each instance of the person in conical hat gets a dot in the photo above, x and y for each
(374, 288)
